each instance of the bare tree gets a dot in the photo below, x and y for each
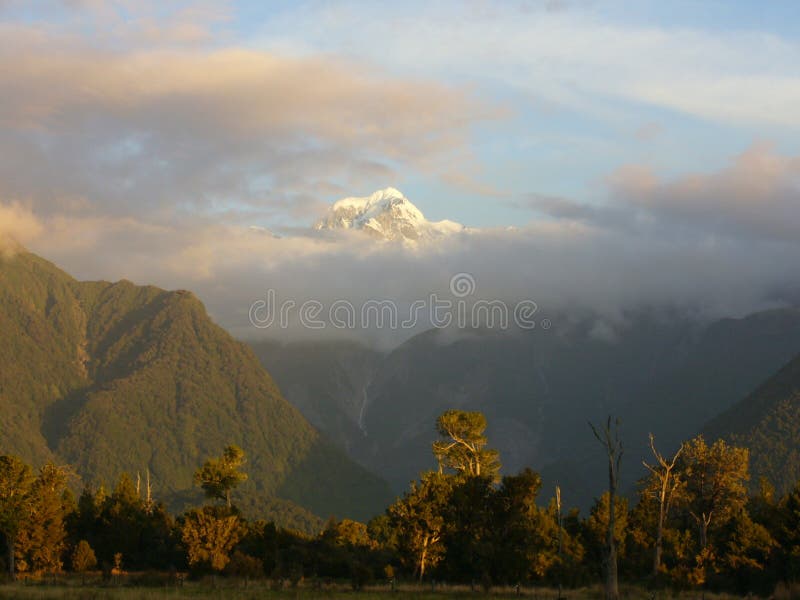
(609, 438)
(665, 486)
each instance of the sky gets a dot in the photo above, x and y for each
(608, 154)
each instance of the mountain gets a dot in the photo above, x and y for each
(113, 377)
(660, 372)
(768, 422)
(386, 215)
(327, 381)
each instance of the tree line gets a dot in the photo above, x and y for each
(692, 524)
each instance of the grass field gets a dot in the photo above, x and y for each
(238, 590)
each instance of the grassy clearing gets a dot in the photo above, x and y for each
(238, 590)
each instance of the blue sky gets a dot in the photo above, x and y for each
(546, 146)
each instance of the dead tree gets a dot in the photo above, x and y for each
(666, 485)
(609, 438)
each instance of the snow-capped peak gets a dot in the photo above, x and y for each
(385, 214)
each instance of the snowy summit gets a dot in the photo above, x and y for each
(388, 215)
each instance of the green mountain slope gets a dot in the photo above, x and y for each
(768, 422)
(118, 377)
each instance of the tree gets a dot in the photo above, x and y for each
(83, 558)
(218, 476)
(16, 482)
(469, 533)
(609, 438)
(715, 479)
(42, 538)
(787, 534)
(245, 566)
(418, 518)
(122, 521)
(663, 485)
(347, 533)
(598, 521)
(530, 543)
(744, 549)
(209, 534)
(517, 527)
(463, 448)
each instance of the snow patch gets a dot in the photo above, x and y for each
(386, 214)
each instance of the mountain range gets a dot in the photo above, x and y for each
(663, 373)
(113, 377)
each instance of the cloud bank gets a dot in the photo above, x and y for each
(715, 244)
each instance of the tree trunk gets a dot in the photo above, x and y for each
(657, 555)
(660, 529)
(12, 567)
(613, 447)
(612, 588)
(422, 558)
(704, 533)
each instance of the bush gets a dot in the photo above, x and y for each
(360, 575)
(83, 557)
(244, 565)
(786, 591)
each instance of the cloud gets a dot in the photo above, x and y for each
(578, 58)
(133, 130)
(18, 225)
(756, 197)
(712, 244)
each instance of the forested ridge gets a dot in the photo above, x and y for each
(691, 525)
(768, 422)
(113, 377)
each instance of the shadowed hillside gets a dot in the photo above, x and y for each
(768, 422)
